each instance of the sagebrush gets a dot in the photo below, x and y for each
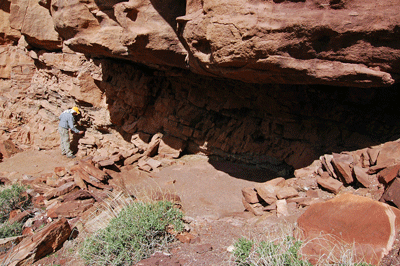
(139, 229)
(11, 198)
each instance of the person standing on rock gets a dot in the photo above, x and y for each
(67, 121)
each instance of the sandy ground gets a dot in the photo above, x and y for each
(210, 193)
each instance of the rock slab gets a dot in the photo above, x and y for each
(371, 225)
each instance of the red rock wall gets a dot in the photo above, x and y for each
(212, 73)
(261, 124)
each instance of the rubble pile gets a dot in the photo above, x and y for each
(371, 172)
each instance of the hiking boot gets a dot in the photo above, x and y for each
(71, 156)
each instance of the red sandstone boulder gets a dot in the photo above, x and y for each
(388, 174)
(342, 164)
(330, 184)
(370, 225)
(171, 147)
(42, 243)
(392, 193)
(7, 148)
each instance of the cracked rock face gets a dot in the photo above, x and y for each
(336, 42)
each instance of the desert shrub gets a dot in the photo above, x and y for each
(285, 253)
(242, 251)
(137, 231)
(10, 230)
(12, 198)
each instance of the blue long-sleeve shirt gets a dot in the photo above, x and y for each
(67, 121)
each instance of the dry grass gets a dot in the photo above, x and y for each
(278, 247)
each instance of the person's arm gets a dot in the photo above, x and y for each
(71, 122)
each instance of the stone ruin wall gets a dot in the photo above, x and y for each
(266, 88)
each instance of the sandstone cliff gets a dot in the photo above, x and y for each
(250, 80)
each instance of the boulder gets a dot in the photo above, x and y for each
(62, 190)
(267, 192)
(369, 226)
(388, 174)
(330, 184)
(286, 192)
(92, 170)
(7, 148)
(250, 195)
(389, 152)
(170, 147)
(373, 155)
(342, 163)
(70, 209)
(392, 193)
(40, 244)
(282, 208)
(254, 208)
(326, 161)
(362, 177)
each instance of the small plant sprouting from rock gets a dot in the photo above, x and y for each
(138, 231)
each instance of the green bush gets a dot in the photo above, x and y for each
(279, 252)
(10, 230)
(12, 198)
(138, 230)
(242, 251)
(248, 253)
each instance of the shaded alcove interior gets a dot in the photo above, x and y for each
(277, 128)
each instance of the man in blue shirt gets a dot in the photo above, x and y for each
(67, 121)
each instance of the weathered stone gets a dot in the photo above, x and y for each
(52, 180)
(4, 181)
(60, 171)
(36, 23)
(70, 209)
(92, 170)
(170, 147)
(77, 195)
(389, 152)
(270, 207)
(267, 192)
(134, 158)
(19, 217)
(9, 242)
(281, 208)
(326, 161)
(342, 164)
(286, 192)
(256, 208)
(309, 170)
(42, 243)
(373, 154)
(250, 195)
(104, 163)
(361, 175)
(55, 192)
(154, 164)
(392, 193)
(64, 180)
(152, 148)
(377, 168)
(330, 184)
(7, 148)
(388, 174)
(368, 225)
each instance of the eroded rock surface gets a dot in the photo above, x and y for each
(346, 43)
(369, 225)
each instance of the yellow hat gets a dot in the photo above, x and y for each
(76, 109)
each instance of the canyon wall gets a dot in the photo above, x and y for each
(272, 83)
